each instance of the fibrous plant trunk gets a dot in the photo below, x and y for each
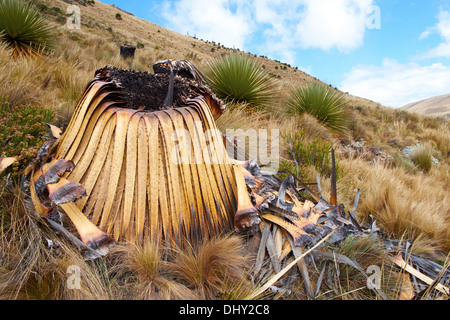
(141, 170)
(127, 51)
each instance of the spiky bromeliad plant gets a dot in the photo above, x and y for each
(322, 102)
(23, 30)
(237, 78)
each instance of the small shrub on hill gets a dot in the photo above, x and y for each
(22, 131)
(308, 152)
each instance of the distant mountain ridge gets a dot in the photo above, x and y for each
(434, 106)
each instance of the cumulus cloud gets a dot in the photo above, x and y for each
(426, 34)
(443, 29)
(394, 84)
(279, 26)
(224, 21)
(337, 24)
(318, 24)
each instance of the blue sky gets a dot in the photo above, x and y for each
(393, 52)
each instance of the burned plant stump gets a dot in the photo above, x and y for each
(127, 51)
(141, 170)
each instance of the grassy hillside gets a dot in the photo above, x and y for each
(437, 106)
(408, 199)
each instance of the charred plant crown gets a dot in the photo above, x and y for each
(146, 91)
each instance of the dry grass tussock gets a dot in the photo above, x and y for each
(36, 264)
(404, 204)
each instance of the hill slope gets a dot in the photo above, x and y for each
(162, 43)
(434, 106)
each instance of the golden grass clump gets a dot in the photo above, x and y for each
(214, 265)
(402, 203)
(35, 263)
(142, 272)
(211, 269)
(421, 156)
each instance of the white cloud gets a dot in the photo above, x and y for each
(394, 84)
(426, 34)
(443, 29)
(224, 21)
(278, 26)
(322, 24)
(337, 24)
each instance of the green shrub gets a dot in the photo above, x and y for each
(322, 102)
(315, 152)
(421, 156)
(23, 30)
(118, 16)
(239, 79)
(401, 161)
(140, 45)
(22, 131)
(74, 37)
(61, 19)
(41, 7)
(57, 11)
(288, 166)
